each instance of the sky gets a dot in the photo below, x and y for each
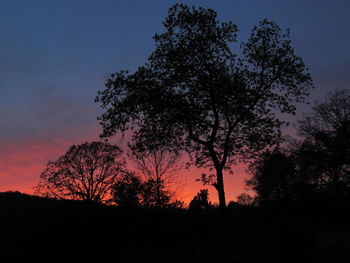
(55, 56)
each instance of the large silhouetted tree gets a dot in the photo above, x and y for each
(85, 172)
(194, 94)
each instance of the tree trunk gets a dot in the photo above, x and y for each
(222, 200)
(220, 189)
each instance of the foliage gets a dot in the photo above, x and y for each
(195, 94)
(158, 169)
(273, 177)
(200, 200)
(325, 153)
(245, 199)
(85, 172)
(127, 191)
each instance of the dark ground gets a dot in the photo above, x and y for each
(35, 229)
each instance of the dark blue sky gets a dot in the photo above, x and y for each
(54, 56)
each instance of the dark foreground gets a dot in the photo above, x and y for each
(34, 229)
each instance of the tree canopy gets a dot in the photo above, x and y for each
(273, 177)
(158, 169)
(127, 191)
(85, 172)
(325, 153)
(197, 95)
(200, 200)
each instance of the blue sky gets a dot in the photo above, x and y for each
(55, 55)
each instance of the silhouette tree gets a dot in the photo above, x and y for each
(245, 199)
(308, 181)
(273, 177)
(194, 94)
(158, 168)
(127, 191)
(327, 141)
(85, 172)
(200, 201)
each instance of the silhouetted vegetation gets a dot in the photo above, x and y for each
(317, 166)
(299, 213)
(196, 95)
(325, 153)
(127, 191)
(85, 172)
(245, 199)
(273, 178)
(158, 168)
(200, 201)
(35, 229)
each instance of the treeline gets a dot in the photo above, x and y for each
(97, 172)
(317, 166)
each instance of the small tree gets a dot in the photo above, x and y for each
(158, 169)
(273, 177)
(194, 94)
(245, 199)
(200, 201)
(85, 172)
(127, 191)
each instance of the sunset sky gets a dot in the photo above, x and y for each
(55, 56)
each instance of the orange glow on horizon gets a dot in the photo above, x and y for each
(22, 162)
